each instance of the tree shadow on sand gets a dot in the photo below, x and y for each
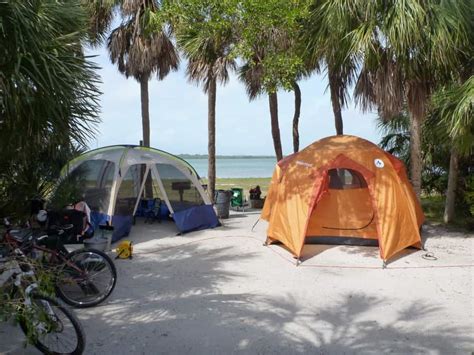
(176, 302)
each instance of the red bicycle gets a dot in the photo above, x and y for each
(84, 277)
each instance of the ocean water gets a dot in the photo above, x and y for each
(237, 168)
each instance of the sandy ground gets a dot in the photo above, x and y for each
(220, 291)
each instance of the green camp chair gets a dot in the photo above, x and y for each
(237, 199)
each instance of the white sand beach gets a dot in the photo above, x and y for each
(221, 291)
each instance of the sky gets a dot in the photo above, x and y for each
(178, 114)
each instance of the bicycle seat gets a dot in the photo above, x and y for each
(21, 235)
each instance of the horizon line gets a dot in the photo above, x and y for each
(205, 156)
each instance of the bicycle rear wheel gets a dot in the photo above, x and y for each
(51, 327)
(88, 277)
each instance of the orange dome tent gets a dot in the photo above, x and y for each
(343, 186)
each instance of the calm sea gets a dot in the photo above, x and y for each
(237, 168)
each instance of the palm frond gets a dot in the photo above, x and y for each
(206, 47)
(100, 14)
(252, 76)
(327, 43)
(140, 53)
(48, 94)
(454, 107)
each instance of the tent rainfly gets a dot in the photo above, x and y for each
(112, 180)
(343, 186)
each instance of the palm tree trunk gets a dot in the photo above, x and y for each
(336, 102)
(452, 182)
(415, 153)
(273, 101)
(145, 111)
(296, 117)
(211, 144)
(146, 129)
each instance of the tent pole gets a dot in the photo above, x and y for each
(113, 194)
(118, 177)
(142, 187)
(155, 172)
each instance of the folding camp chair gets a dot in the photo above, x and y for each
(237, 200)
(151, 210)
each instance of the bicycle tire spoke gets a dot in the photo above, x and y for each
(95, 275)
(92, 283)
(61, 341)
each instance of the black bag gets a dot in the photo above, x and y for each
(78, 220)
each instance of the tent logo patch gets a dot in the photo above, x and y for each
(379, 163)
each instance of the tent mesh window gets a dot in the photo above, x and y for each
(129, 190)
(180, 190)
(93, 179)
(344, 179)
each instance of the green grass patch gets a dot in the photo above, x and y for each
(245, 183)
(433, 207)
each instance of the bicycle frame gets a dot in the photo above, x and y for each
(56, 256)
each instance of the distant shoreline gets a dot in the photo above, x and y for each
(234, 166)
(204, 156)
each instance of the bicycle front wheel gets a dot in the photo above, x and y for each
(87, 278)
(51, 327)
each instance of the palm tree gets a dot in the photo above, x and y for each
(273, 105)
(304, 71)
(448, 130)
(141, 53)
(327, 45)
(207, 50)
(47, 86)
(267, 44)
(296, 117)
(252, 76)
(48, 95)
(202, 69)
(270, 52)
(389, 88)
(455, 107)
(405, 48)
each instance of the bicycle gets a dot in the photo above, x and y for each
(48, 324)
(85, 278)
